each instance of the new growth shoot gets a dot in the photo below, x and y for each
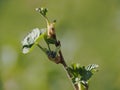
(79, 75)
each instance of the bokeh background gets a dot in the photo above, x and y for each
(89, 31)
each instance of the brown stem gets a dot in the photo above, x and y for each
(60, 59)
(77, 87)
(86, 88)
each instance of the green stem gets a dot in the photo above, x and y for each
(49, 47)
(40, 47)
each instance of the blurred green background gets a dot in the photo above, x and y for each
(89, 31)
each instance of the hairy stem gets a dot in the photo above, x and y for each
(62, 61)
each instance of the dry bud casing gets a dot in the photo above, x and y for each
(51, 31)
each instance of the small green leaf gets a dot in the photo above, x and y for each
(75, 66)
(92, 67)
(81, 74)
(32, 39)
(49, 40)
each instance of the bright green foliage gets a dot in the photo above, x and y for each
(82, 74)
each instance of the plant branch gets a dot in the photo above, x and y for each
(62, 61)
(78, 75)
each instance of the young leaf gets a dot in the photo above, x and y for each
(32, 39)
(49, 40)
(92, 67)
(82, 74)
